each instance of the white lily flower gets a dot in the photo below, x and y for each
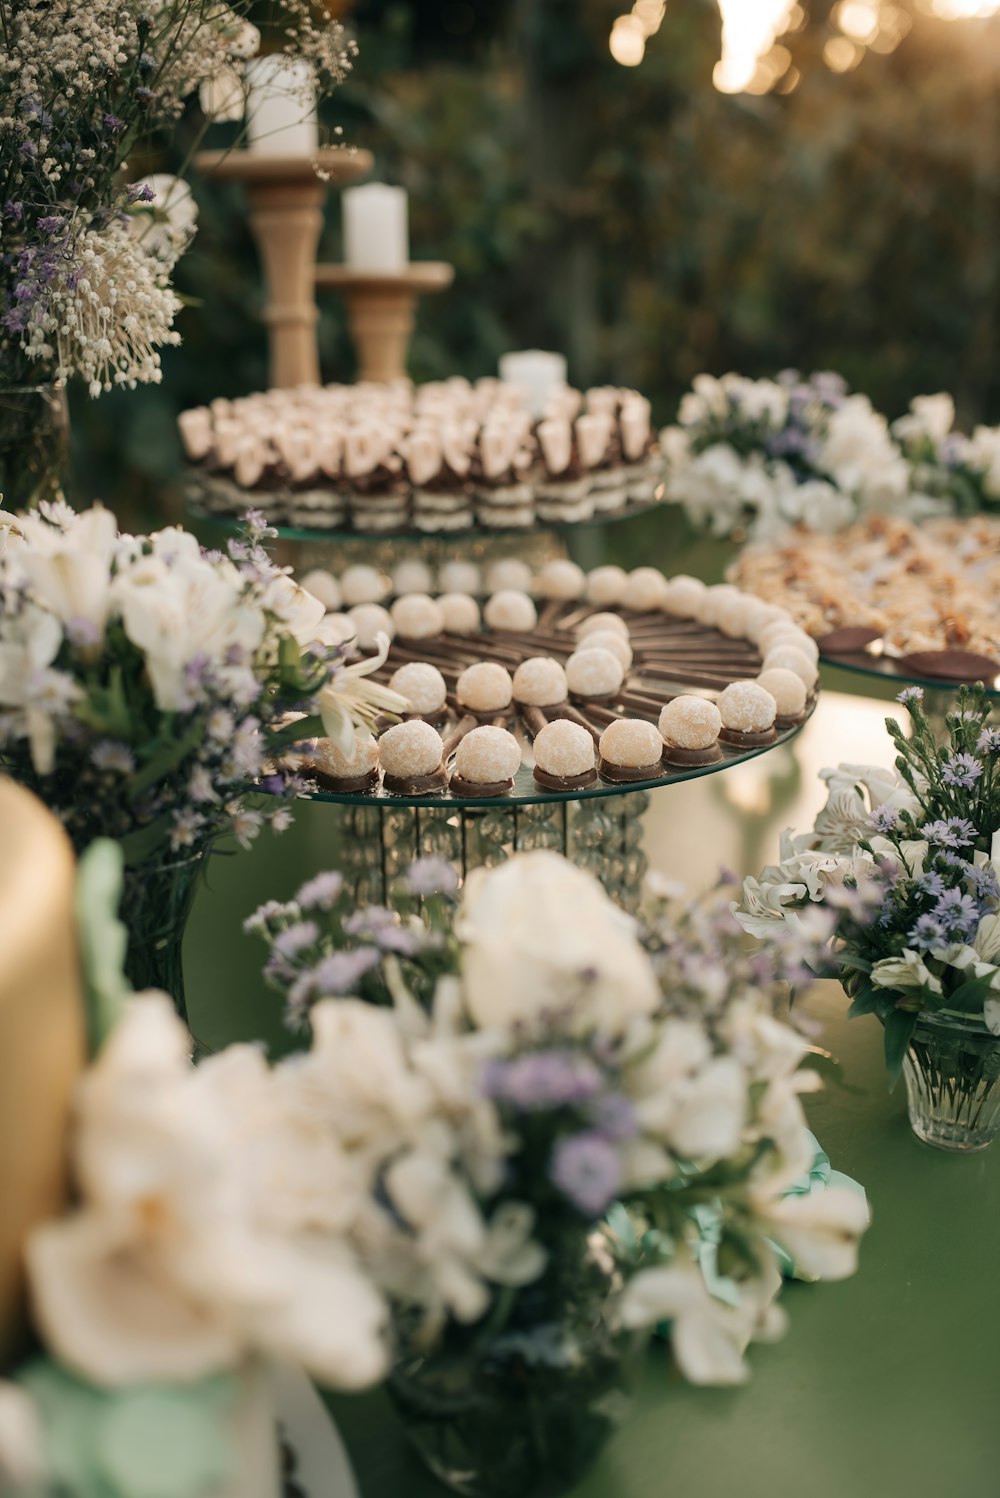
(350, 701)
(708, 1337)
(908, 973)
(820, 1230)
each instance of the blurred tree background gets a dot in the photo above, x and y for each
(635, 217)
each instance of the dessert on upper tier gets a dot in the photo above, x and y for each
(927, 592)
(626, 678)
(436, 458)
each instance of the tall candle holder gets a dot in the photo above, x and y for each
(381, 310)
(286, 195)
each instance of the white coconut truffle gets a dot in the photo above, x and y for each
(488, 756)
(417, 616)
(485, 688)
(594, 673)
(371, 620)
(606, 585)
(632, 743)
(460, 613)
(360, 759)
(459, 577)
(713, 599)
(733, 615)
(609, 639)
(561, 580)
(747, 708)
(337, 629)
(412, 576)
(363, 584)
(508, 572)
(690, 722)
(684, 596)
(324, 586)
(408, 750)
(602, 621)
(510, 609)
(785, 633)
(645, 590)
(564, 748)
(787, 689)
(422, 685)
(540, 682)
(790, 658)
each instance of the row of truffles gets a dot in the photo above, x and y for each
(412, 756)
(436, 458)
(931, 587)
(416, 616)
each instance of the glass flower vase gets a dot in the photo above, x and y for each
(157, 897)
(520, 1404)
(34, 444)
(952, 1073)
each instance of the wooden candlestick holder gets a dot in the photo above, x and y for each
(381, 308)
(286, 195)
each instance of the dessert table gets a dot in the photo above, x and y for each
(883, 1385)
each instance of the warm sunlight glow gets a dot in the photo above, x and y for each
(964, 10)
(628, 41)
(749, 31)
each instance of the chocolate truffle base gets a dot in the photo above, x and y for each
(416, 785)
(564, 782)
(435, 719)
(624, 773)
(673, 754)
(345, 783)
(748, 740)
(480, 790)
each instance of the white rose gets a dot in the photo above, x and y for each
(541, 935)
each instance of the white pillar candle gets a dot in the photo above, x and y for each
(281, 106)
(376, 233)
(536, 373)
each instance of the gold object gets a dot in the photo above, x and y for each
(286, 216)
(381, 308)
(42, 1040)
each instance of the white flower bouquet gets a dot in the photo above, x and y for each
(426, 1195)
(949, 471)
(88, 254)
(587, 1061)
(146, 684)
(759, 456)
(902, 870)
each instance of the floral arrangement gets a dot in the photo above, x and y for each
(146, 683)
(946, 466)
(85, 253)
(587, 1060)
(759, 456)
(905, 868)
(429, 1174)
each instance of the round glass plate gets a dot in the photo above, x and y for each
(232, 524)
(527, 792)
(886, 668)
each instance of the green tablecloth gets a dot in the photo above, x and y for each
(885, 1385)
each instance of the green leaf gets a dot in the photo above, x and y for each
(865, 1001)
(970, 996)
(899, 1028)
(139, 844)
(305, 728)
(103, 938)
(853, 962)
(171, 755)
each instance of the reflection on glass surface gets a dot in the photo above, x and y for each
(735, 821)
